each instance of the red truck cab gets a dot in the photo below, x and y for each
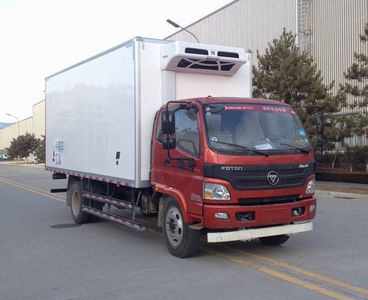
(238, 168)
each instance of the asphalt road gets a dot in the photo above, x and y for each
(42, 256)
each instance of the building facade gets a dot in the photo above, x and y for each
(34, 124)
(335, 29)
(249, 24)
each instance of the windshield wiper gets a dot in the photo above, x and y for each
(295, 147)
(241, 147)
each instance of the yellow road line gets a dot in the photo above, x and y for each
(269, 271)
(282, 276)
(252, 265)
(310, 274)
(31, 189)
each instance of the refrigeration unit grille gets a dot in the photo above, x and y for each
(208, 59)
(205, 64)
(196, 51)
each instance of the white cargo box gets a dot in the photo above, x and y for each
(100, 112)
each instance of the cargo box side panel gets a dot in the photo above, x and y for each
(90, 117)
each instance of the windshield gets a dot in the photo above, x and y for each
(254, 128)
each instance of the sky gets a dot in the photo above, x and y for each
(41, 37)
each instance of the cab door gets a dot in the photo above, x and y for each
(181, 168)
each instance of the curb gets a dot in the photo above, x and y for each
(342, 194)
(11, 163)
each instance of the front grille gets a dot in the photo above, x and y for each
(254, 177)
(269, 200)
(261, 181)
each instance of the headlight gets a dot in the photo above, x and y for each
(214, 191)
(310, 187)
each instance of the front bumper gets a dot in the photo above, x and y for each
(264, 215)
(250, 234)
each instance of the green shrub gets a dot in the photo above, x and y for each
(353, 177)
(352, 159)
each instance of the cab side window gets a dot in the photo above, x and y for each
(186, 131)
(159, 135)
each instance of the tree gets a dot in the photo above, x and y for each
(356, 86)
(23, 145)
(13, 150)
(285, 73)
(40, 150)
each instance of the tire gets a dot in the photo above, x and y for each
(76, 201)
(275, 240)
(181, 240)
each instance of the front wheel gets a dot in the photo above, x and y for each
(181, 240)
(274, 240)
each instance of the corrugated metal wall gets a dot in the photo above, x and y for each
(336, 25)
(8, 133)
(38, 119)
(245, 23)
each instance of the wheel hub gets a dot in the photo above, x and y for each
(174, 226)
(76, 203)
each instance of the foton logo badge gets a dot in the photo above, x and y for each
(231, 168)
(273, 178)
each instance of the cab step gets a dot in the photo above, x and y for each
(113, 217)
(109, 200)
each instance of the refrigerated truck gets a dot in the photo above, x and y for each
(166, 128)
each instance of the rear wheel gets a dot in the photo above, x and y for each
(181, 240)
(274, 240)
(76, 201)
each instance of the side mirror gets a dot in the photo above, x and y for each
(169, 143)
(320, 124)
(168, 122)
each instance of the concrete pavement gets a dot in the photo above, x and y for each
(43, 257)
